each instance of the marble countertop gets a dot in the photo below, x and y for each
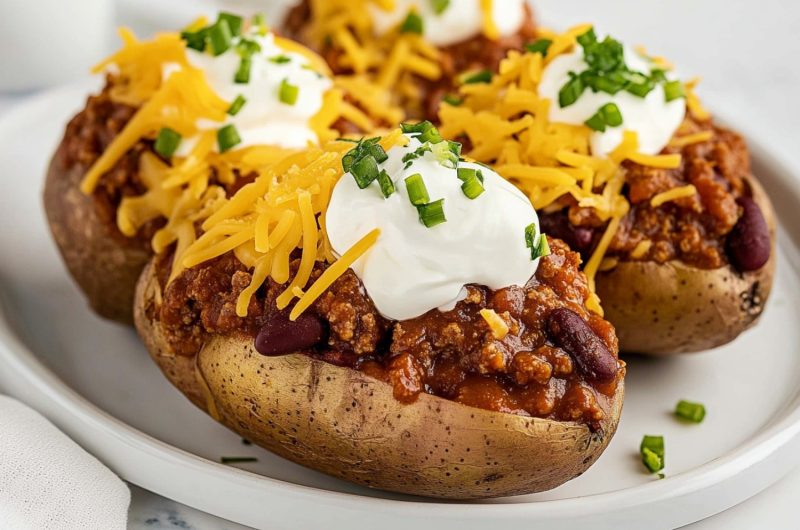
(747, 55)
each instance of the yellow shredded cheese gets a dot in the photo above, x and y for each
(496, 323)
(642, 248)
(689, 139)
(670, 195)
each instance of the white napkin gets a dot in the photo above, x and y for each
(48, 482)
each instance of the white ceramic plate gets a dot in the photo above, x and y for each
(94, 380)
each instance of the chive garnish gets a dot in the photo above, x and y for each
(440, 6)
(596, 122)
(237, 459)
(195, 40)
(386, 184)
(237, 105)
(364, 171)
(412, 24)
(693, 412)
(539, 46)
(280, 59)
(450, 99)
(167, 142)
(432, 214)
(570, 92)
(288, 93)
(536, 242)
(417, 192)
(247, 47)
(484, 76)
(259, 21)
(673, 90)
(652, 452)
(472, 187)
(234, 22)
(220, 37)
(242, 75)
(609, 115)
(227, 138)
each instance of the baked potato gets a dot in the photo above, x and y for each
(507, 390)
(627, 167)
(417, 54)
(107, 211)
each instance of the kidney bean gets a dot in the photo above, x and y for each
(557, 225)
(280, 336)
(748, 244)
(572, 334)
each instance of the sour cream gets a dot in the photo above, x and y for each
(264, 119)
(652, 118)
(461, 20)
(412, 269)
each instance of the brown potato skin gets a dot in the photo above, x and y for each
(671, 308)
(346, 424)
(104, 264)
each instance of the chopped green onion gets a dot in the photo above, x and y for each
(420, 151)
(410, 128)
(450, 99)
(530, 235)
(386, 184)
(472, 187)
(220, 37)
(280, 59)
(227, 138)
(611, 114)
(539, 46)
(364, 171)
(247, 47)
(259, 21)
(242, 75)
(447, 153)
(570, 92)
(658, 75)
(234, 22)
(439, 6)
(484, 76)
(542, 249)
(377, 152)
(694, 412)
(237, 105)
(610, 84)
(195, 40)
(417, 192)
(237, 459)
(412, 24)
(467, 173)
(538, 244)
(167, 142)
(431, 135)
(596, 122)
(673, 90)
(432, 214)
(588, 38)
(288, 93)
(641, 89)
(652, 451)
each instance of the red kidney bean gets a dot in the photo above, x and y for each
(557, 225)
(748, 244)
(572, 334)
(281, 336)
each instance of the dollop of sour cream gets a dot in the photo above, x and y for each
(461, 20)
(264, 119)
(412, 269)
(652, 118)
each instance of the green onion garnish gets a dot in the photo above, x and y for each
(195, 40)
(611, 114)
(472, 187)
(220, 36)
(694, 412)
(386, 184)
(412, 24)
(439, 6)
(673, 90)
(280, 59)
(417, 192)
(466, 173)
(259, 21)
(420, 151)
(363, 149)
(484, 76)
(539, 46)
(542, 249)
(530, 235)
(652, 451)
(431, 135)
(450, 99)
(237, 105)
(588, 38)
(247, 47)
(234, 22)
(641, 89)
(242, 75)
(288, 93)
(432, 214)
(167, 142)
(570, 92)
(421, 127)
(447, 153)
(596, 122)
(364, 171)
(537, 243)
(376, 152)
(237, 459)
(658, 75)
(227, 138)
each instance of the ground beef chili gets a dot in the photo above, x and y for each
(475, 54)
(450, 354)
(691, 229)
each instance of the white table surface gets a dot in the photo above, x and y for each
(748, 54)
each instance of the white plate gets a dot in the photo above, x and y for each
(94, 380)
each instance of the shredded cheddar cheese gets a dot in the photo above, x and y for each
(496, 323)
(642, 248)
(507, 126)
(670, 195)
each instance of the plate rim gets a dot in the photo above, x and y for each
(53, 397)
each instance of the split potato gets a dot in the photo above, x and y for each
(662, 309)
(349, 425)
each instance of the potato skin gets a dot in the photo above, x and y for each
(346, 424)
(671, 308)
(105, 265)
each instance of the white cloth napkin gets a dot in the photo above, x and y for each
(48, 482)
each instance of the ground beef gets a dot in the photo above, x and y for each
(477, 53)
(691, 229)
(450, 354)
